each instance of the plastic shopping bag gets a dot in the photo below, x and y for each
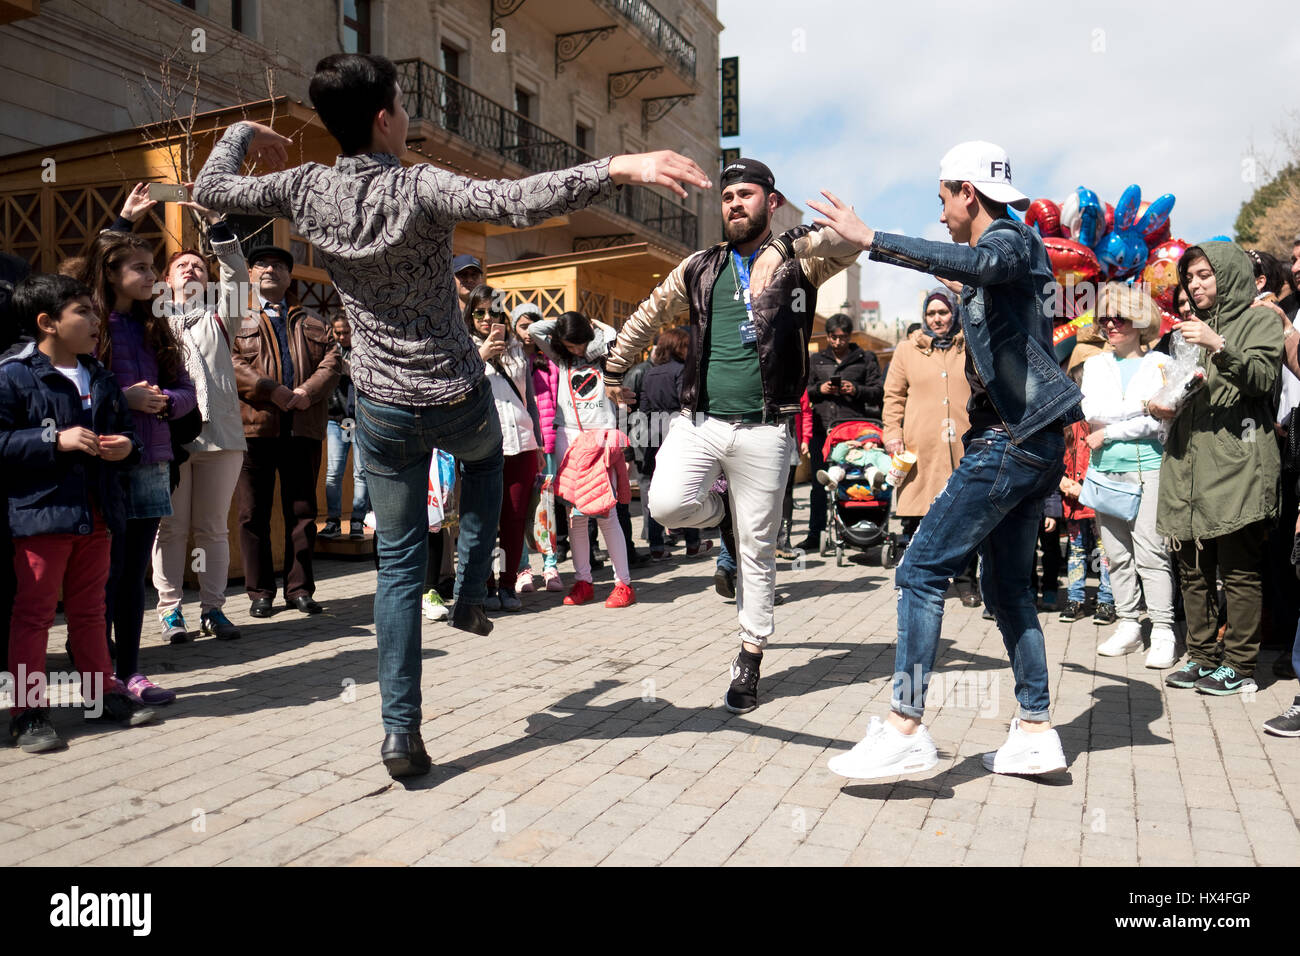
(442, 481)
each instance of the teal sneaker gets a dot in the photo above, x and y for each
(216, 623)
(1187, 675)
(1225, 682)
(173, 625)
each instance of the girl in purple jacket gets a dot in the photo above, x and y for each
(137, 345)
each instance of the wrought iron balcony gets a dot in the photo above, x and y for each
(430, 94)
(655, 30)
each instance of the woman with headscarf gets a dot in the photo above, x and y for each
(925, 413)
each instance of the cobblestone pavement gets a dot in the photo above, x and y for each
(593, 736)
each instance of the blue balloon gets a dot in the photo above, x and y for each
(1092, 217)
(1121, 253)
(1157, 214)
(1127, 207)
(1218, 239)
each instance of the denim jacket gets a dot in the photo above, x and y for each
(1007, 311)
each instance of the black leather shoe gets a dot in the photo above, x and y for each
(970, 599)
(724, 582)
(470, 617)
(404, 755)
(304, 603)
(261, 607)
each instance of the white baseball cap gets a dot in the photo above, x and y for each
(986, 167)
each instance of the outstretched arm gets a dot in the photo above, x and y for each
(525, 202)
(220, 187)
(998, 257)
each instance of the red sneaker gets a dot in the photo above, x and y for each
(621, 596)
(580, 593)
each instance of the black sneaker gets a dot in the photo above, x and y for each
(1105, 614)
(1187, 675)
(724, 582)
(1224, 682)
(33, 732)
(742, 695)
(810, 544)
(332, 529)
(356, 529)
(1073, 611)
(1288, 724)
(119, 708)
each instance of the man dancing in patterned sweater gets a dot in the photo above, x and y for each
(384, 233)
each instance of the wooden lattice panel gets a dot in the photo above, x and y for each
(593, 305)
(550, 301)
(20, 217)
(320, 298)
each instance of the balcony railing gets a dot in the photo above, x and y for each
(440, 98)
(654, 29)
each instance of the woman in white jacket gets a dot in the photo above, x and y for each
(1127, 445)
(509, 372)
(201, 501)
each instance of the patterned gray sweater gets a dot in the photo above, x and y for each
(384, 231)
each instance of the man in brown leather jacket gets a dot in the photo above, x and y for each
(286, 367)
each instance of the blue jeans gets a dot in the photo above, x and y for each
(337, 446)
(1083, 546)
(398, 442)
(726, 560)
(993, 503)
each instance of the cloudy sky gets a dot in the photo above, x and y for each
(864, 98)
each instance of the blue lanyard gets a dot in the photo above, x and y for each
(742, 277)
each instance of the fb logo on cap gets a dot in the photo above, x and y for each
(999, 168)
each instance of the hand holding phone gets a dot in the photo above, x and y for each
(498, 332)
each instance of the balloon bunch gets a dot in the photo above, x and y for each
(1091, 241)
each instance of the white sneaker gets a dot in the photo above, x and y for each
(1126, 639)
(524, 584)
(886, 752)
(1026, 753)
(433, 607)
(1164, 649)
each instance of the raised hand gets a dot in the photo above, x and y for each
(137, 203)
(203, 211)
(660, 168)
(268, 147)
(841, 217)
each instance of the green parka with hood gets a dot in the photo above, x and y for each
(1221, 467)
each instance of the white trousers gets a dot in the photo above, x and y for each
(202, 502)
(1135, 550)
(755, 460)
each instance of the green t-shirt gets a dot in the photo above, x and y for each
(730, 380)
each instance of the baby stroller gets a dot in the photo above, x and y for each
(858, 497)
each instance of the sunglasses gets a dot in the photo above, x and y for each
(483, 313)
(1113, 320)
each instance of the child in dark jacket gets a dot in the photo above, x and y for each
(65, 438)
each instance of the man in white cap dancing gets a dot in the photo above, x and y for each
(993, 503)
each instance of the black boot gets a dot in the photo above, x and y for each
(785, 550)
(404, 755)
(470, 617)
(742, 695)
(725, 528)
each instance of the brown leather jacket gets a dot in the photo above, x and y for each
(316, 362)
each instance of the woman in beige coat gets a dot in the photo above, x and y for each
(925, 412)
